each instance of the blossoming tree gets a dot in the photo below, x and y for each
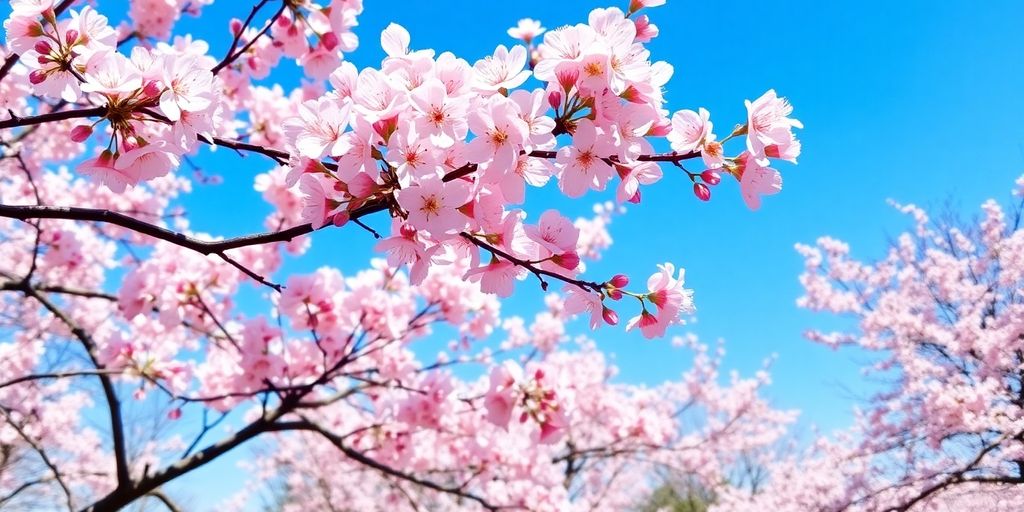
(944, 311)
(113, 305)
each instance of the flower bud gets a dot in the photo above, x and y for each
(329, 41)
(43, 47)
(235, 25)
(701, 191)
(71, 37)
(174, 414)
(610, 316)
(567, 73)
(619, 281)
(711, 177)
(37, 77)
(555, 99)
(81, 132)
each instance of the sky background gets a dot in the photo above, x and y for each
(917, 101)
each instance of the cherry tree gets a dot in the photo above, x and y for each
(130, 363)
(944, 312)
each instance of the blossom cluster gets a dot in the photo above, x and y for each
(448, 148)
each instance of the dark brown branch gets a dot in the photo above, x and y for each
(50, 117)
(43, 456)
(163, 498)
(201, 246)
(113, 404)
(62, 290)
(232, 55)
(537, 271)
(57, 375)
(367, 461)
(122, 496)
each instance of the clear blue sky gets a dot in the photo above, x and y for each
(917, 101)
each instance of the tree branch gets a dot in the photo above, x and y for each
(365, 460)
(42, 455)
(113, 405)
(232, 55)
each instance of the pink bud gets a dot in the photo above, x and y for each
(43, 47)
(614, 294)
(71, 37)
(329, 41)
(619, 280)
(610, 317)
(567, 73)
(152, 89)
(37, 77)
(44, 59)
(568, 261)
(711, 177)
(81, 132)
(407, 231)
(235, 25)
(174, 413)
(701, 191)
(555, 99)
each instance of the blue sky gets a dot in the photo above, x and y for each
(916, 101)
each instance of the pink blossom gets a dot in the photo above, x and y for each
(503, 70)
(526, 30)
(188, 87)
(319, 128)
(554, 232)
(497, 277)
(500, 133)
(503, 394)
(579, 300)
(442, 118)
(689, 130)
(433, 205)
(642, 173)
(769, 125)
(756, 180)
(318, 209)
(582, 164)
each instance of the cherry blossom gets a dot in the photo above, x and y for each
(401, 384)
